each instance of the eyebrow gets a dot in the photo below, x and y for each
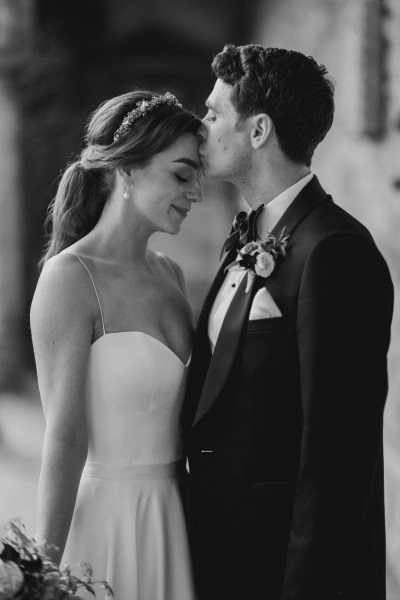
(189, 162)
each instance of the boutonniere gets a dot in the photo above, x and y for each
(259, 258)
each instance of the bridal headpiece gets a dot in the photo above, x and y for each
(143, 107)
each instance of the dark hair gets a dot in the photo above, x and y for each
(287, 85)
(86, 183)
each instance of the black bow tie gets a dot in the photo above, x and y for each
(244, 229)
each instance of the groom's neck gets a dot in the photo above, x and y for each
(264, 181)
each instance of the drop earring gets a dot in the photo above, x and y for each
(126, 193)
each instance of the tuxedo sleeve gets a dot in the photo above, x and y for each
(343, 327)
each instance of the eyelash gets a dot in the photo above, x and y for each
(181, 179)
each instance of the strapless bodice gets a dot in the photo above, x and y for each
(134, 393)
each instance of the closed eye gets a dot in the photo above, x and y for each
(180, 178)
(209, 117)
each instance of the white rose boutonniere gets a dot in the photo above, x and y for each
(265, 264)
(259, 258)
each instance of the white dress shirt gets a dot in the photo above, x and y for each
(267, 220)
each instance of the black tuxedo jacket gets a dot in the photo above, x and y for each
(283, 423)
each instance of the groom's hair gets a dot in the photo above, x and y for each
(290, 87)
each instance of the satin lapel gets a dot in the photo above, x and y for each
(226, 348)
(236, 317)
(201, 352)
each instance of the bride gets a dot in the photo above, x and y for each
(112, 332)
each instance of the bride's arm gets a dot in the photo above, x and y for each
(61, 324)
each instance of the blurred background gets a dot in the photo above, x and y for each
(60, 59)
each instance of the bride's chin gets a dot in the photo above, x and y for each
(172, 229)
(176, 230)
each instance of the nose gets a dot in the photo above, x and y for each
(202, 132)
(194, 194)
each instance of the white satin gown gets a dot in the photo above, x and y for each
(128, 520)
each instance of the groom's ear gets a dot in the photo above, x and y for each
(261, 130)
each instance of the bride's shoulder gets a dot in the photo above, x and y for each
(63, 307)
(63, 282)
(171, 267)
(63, 269)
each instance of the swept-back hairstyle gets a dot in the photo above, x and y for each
(287, 85)
(87, 183)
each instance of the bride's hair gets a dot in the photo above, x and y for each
(87, 183)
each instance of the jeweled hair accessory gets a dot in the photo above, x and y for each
(143, 107)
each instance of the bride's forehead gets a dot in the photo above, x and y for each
(186, 145)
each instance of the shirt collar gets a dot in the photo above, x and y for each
(273, 211)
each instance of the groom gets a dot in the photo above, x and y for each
(288, 380)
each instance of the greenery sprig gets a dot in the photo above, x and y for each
(26, 572)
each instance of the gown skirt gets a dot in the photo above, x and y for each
(129, 522)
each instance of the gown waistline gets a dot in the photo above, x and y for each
(133, 471)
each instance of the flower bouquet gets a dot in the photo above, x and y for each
(26, 573)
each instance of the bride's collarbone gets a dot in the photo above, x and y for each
(149, 301)
(153, 288)
(143, 282)
(148, 307)
(154, 297)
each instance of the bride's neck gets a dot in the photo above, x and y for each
(120, 237)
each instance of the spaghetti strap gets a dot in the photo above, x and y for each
(95, 291)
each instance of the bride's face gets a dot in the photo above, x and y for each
(163, 192)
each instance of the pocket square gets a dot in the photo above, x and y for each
(263, 306)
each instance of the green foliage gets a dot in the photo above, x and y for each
(26, 572)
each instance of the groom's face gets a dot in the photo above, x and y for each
(224, 148)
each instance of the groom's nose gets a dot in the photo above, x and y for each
(202, 132)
